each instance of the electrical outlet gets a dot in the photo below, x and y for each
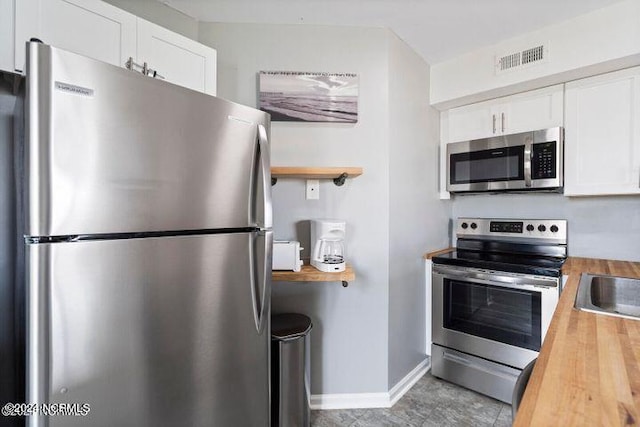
(313, 189)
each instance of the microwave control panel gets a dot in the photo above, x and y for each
(543, 163)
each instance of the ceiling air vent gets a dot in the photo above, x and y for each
(521, 59)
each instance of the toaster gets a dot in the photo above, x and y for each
(286, 255)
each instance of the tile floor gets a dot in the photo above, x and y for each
(430, 402)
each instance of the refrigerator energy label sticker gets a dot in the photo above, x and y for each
(48, 409)
(76, 90)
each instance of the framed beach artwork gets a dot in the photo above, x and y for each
(291, 96)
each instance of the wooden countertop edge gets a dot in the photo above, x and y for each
(430, 255)
(588, 370)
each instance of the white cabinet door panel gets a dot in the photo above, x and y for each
(471, 122)
(176, 58)
(540, 109)
(88, 27)
(602, 135)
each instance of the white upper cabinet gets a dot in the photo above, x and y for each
(538, 109)
(88, 27)
(101, 31)
(602, 134)
(527, 111)
(176, 58)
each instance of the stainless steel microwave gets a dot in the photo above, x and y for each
(526, 161)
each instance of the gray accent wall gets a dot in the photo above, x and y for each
(417, 219)
(350, 325)
(599, 227)
(351, 340)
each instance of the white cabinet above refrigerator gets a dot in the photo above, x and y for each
(101, 31)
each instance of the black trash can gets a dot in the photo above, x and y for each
(290, 386)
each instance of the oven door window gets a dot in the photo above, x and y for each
(500, 164)
(510, 316)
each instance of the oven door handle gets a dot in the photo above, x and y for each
(514, 282)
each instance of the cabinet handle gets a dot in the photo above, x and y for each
(155, 75)
(144, 69)
(502, 114)
(494, 123)
(131, 65)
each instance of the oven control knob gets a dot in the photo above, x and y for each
(474, 226)
(542, 228)
(464, 225)
(554, 229)
(530, 227)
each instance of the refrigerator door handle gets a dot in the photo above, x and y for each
(265, 165)
(265, 312)
(261, 277)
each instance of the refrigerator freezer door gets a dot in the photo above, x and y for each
(149, 332)
(111, 151)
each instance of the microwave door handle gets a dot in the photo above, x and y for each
(528, 159)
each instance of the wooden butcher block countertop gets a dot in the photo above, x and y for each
(588, 371)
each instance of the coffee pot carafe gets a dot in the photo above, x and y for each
(327, 237)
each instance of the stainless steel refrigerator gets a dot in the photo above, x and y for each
(144, 222)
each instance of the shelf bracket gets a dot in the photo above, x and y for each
(345, 283)
(339, 181)
(273, 181)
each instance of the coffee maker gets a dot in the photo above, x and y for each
(327, 238)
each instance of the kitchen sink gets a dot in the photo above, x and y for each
(611, 295)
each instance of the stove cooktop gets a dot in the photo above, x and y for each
(513, 263)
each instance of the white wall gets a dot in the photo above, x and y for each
(350, 337)
(418, 220)
(594, 43)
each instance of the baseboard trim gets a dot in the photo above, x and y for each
(350, 401)
(371, 400)
(405, 384)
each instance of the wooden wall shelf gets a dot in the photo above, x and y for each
(337, 174)
(311, 274)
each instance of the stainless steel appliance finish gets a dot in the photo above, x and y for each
(610, 295)
(147, 230)
(492, 379)
(167, 158)
(290, 370)
(531, 231)
(160, 328)
(493, 299)
(546, 287)
(517, 162)
(520, 387)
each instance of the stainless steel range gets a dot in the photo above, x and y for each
(493, 298)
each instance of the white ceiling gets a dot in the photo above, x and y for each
(436, 29)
